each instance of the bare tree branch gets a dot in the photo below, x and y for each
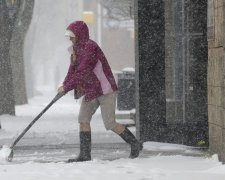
(119, 10)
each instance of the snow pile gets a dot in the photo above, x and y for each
(4, 153)
(151, 168)
(128, 69)
(156, 146)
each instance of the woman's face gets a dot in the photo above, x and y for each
(73, 40)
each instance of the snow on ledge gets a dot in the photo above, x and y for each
(157, 146)
(128, 69)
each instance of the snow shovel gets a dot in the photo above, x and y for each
(57, 97)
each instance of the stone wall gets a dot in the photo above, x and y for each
(216, 80)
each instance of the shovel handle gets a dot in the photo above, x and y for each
(56, 98)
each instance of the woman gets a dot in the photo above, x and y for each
(90, 75)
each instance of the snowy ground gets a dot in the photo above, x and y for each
(54, 138)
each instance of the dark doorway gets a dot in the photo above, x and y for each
(171, 68)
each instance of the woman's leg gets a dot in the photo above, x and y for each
(87, 109)
(108, 105)
(135, 145)
(129, 138)
(85, 127)
(118, 129)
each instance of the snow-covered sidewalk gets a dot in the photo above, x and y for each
(152, 168)
(55, 138)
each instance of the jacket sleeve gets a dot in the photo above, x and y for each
(84, 69)
(69, 73)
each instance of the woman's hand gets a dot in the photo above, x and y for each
(60, 89)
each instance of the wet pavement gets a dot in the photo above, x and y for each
(100, 151)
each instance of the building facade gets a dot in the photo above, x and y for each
(171, 71)
(216, 78)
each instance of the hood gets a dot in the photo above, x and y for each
(80, 29)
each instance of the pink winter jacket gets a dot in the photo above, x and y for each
(93, 72)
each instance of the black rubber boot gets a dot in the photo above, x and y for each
(85, 148)
(129, 138)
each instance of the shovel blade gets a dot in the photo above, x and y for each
(10, 157)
